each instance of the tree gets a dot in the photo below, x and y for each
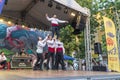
(72, 42)
(68, 39)
(104, 8)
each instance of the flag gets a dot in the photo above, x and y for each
(1, 5)
(112, 49)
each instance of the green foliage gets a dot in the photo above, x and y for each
(118, 4)
(104, 45)
(105, 8)
(72, 42)
(6, 51)
(68, 39)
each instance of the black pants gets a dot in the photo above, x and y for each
(39, 59)
(50, 55)
(55, 30)
(3, 63)
(59, 60)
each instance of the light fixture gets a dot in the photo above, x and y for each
(72, 14)
(23, 26)
(9, 22)
(50, 3)
(58, 7)
(1, 20)
(66, 10)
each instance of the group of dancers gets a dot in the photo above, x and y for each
(55, 53)
(55, 47)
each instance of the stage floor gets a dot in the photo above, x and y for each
(55, 75)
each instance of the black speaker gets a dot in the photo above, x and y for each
(99, 68)
(97, 48)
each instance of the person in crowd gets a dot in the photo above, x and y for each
(40, 44)
(51, 51)
(22, 52)
(55, 24)
(59, 49)
(3, 60)
(83, 64)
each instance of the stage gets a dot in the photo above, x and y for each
(57, 75)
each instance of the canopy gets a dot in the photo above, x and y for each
(74, 5)
(33, 12)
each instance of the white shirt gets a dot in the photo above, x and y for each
(55, 20)
(2, 58)
(59, 44)
(51, 43)
(40, 46)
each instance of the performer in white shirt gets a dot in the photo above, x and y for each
(41, 43)
(59, 48)
(55, 24)
(3, 60)
(51, 51)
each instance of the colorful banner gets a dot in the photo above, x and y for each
(1, 5)
(113, 56)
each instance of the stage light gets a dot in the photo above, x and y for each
(58, 7)
(72, 14)
(23, 26)
(65, 10)
(50, 3)
(9, 22)
(1, 20)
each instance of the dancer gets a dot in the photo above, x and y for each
(59, 54)
(51, 51)
(55, 24)
(22, 52)
(41, 43)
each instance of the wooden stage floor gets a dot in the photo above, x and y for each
(52, 75)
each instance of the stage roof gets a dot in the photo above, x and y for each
(34, 11)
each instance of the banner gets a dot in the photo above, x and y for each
(1, 5)
(113, 56)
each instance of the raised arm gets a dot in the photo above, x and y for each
(48, 18)
(42, 44)
(62, 21)
(45, 40)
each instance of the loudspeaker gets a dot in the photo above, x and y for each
(21, 62)
(99, 68)
(97, 48)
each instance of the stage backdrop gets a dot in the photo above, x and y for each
(113, 56)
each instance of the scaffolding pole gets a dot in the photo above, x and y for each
(88, 55)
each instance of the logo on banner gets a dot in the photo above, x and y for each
(109, 24)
